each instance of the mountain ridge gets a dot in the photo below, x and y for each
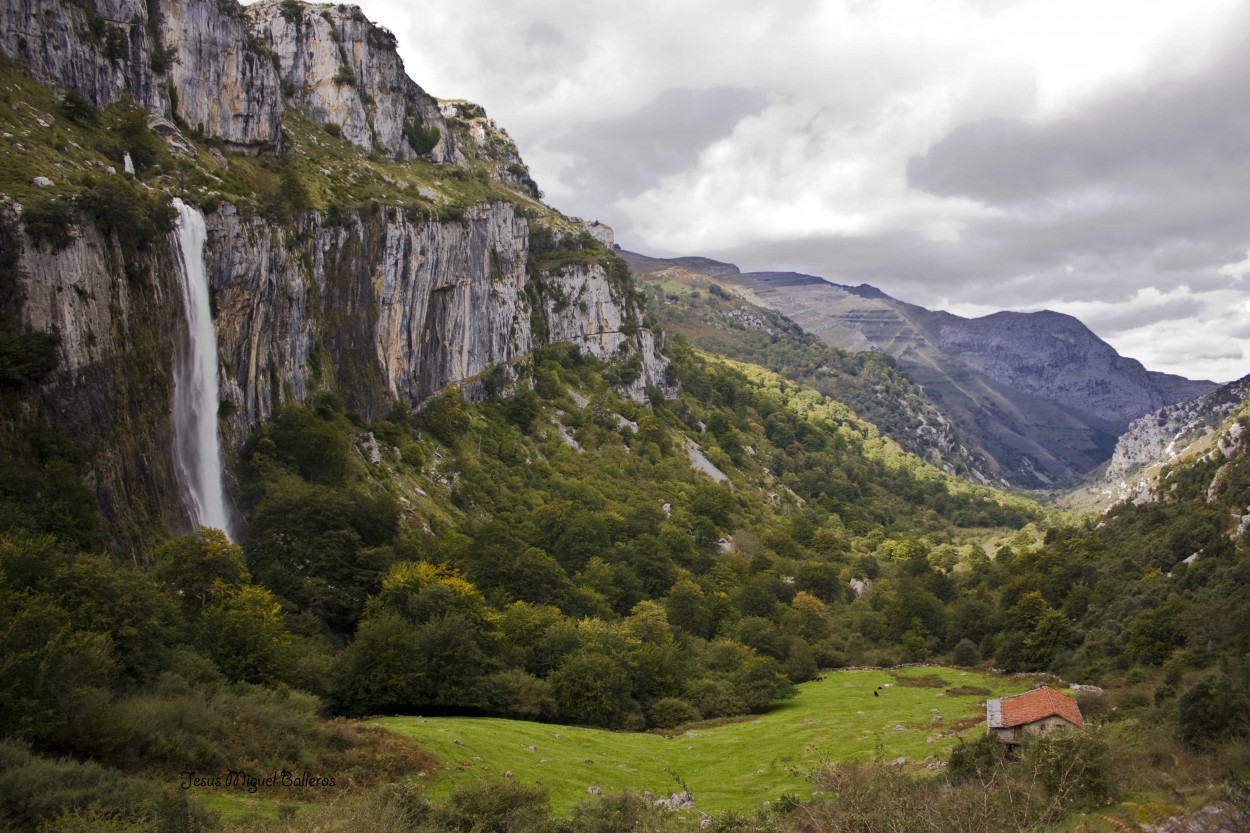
(1038, 393)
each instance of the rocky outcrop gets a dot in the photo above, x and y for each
(340, 69)
(582, 307)
(224, 84)
(481, 143)
(1162, 436)
(102, 49)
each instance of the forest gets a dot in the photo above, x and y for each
(559, 552)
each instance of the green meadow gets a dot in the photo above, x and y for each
(736, 766)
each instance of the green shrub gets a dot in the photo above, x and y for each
(1212, 710)
(668, 712)
(35, 790)
(76, 108)
(421, 138)
(978, 760)
(26, 360)
(49, 221)
(1073, 766)
(518, 694)
(344, 75)
(494, 805)
(966, 653)
(120, 208)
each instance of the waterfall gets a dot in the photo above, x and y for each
(197, 450)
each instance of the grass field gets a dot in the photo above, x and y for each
(731, 767)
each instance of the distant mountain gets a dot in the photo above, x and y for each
(696, 307)
(1037, 394)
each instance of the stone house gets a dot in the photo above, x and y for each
(1034, 712)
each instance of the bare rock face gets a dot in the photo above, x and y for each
(102, 49)
(480, 142)
(223, 84)
(1162, 436)
(394, 309)
(113, 385)
(1055, 357)
(340, 69)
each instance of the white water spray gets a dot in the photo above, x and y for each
(197, 448)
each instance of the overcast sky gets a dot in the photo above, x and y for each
(1087, 156)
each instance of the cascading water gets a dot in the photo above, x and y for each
(197, 448)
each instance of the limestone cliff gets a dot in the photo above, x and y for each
(1172, 432)
(103, 50)
(359, 240)
(340, 69)
(222, 82)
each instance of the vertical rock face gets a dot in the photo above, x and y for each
(383, 308)
(1162, 436)
(379, 307)
(102, 49)
(112, 389)
(223, 84)
(338, 68)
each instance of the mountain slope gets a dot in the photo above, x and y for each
(1187, 430)
(691, 305)
(1037, 395)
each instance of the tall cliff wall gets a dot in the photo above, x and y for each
(338, 68)
(379, 303)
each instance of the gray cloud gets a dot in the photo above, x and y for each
(1154, 137)
(627, 154)
(542, 33)
(1146, 187)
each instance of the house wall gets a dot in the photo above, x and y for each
(1047, 724)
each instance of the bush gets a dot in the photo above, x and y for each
(494, 805)
(35, 790)
(76, 108)
(27, 360)
(592, 690)
(1074, 766)
(966, 653)
(49, 221)
(1212, 710)
(517, 694)
(421, 138)
(344, 75)
(668, 712)
(978, 760)
(121, 209)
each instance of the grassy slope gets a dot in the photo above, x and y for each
(719, 764)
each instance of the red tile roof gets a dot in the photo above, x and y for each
(1038, 704)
